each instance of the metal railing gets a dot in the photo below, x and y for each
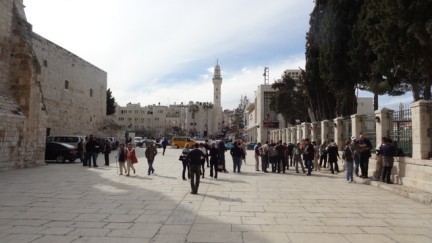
(369, 130)
(347, 129)
(401, 132)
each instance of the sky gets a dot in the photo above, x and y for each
(165, 51)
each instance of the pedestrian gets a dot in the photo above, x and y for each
(91, 151)
(257, 155)
(86, 154)
(280, 157)
(214, 160)
(150, 154)
(237, 154)
(222, 149)
(291, 147)
(364, 147)
(243, 146)
(130, 159)
(185, 162)
(106, 150)
(323, 154)
(273, 156)
(347, 156)
(194, 158)
(379, 162)
(164, 145)
(308, 155)
(264, 151)
(356, 156)
(207, 147)
(388, 151)
(80, 150)
(333, 156)
(203, 161)
(316, 156)
(297, 153)
(121, 158)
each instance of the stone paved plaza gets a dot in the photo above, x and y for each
(69, 203)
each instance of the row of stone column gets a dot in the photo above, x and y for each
(319, 131)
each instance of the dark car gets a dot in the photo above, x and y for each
(251, 146)
(60, 152)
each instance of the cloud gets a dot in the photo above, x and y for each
(159, 51)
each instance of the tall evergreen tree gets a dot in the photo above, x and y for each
(338, 17)
(110, 103)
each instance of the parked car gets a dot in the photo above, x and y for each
(181, 141)
(68, 139)
(251, 146)
(60, 152)
(141, 143)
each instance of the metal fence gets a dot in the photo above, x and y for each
(401, 132)
(369, 130)
(347, 129)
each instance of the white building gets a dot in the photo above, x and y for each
(195, 118)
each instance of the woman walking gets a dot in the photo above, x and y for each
(121, 157)
(130, 159)
(297, 151)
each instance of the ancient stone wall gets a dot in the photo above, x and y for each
(22, 114)
(74, 90)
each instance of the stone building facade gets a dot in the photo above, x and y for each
(43, 89)
(23, 115)
(74, 90)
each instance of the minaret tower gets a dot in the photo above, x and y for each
(217, 83)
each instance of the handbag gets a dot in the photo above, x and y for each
(181, 158)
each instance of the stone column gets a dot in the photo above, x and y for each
(356, 124)
(299, 132)
(324, 130)
(384, 123)
(338, 132)
(306, 130)
(293, 134)
(314, 132)
(421, 123)
(287, 135)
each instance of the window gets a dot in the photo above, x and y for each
(160, 111)
(45, 63)
(66, 84)
(91, 92)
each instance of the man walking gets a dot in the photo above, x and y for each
(308, 155)
(194, 158)
(164, 145)
(150, 154)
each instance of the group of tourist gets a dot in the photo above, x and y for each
(89, 149)
(277, 157)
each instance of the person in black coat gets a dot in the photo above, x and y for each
(214, 160)
(237, 154)
(333, 156)
(194, 158)
(308, 155)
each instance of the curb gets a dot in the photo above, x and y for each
(417, 195)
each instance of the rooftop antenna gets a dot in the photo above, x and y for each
(266, 75)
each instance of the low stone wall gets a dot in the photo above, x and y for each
(415, 173)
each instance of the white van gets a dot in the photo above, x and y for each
(69, 139)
